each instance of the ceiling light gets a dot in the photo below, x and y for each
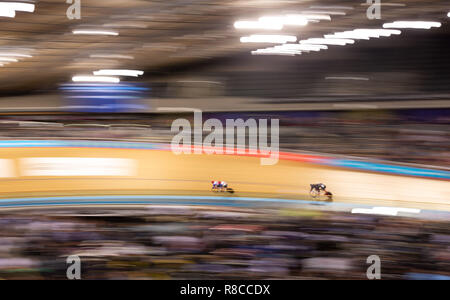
(95, 79)
(12, 54)
(295, 19)
(7, 12)
(8, 9)
(317, 17)
(8, 59)
(341, 13)
(133, 73)
(18, 6)
(276, 39)
(95, 32)
(111, 56)
(376, 32)
(274, 22)
(302, 47)
(364, 34)
(334, 41)
(273, 51)
(347, 35)
(330, 7)
(412, 24)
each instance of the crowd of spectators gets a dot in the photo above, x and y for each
(406, 137)
(173, 242)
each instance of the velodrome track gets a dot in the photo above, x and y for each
(157, 171)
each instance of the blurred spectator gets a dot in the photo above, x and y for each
(214, 243)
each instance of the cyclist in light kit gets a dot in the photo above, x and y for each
(223, 186)
(215, 185)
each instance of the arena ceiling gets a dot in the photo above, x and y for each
(152, 35)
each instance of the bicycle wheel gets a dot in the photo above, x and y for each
(314, 194)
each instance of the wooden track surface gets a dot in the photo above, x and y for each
(191, 174)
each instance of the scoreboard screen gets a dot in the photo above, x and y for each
(105, 98)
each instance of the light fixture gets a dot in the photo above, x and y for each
(376, 32)
(111, 56)
(273, 51)
(275, 22)
(8, 9)
(6, 12)
(18, 6)
(339, 13)
(331, 7)
(275, 39)
(86, 78)
(118, 72)
(9, 59)
(412, 24)
(13, 54)
(347, 35)
(363, 34)
(318, 17)
(95, 32)
(330, 41)
(302, 47)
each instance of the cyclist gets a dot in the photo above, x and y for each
(215, 185)
(223, 186)
(316, 188)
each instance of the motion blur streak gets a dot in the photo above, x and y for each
(315, 139)
(161, 171)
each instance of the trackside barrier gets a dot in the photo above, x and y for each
(317, 159)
